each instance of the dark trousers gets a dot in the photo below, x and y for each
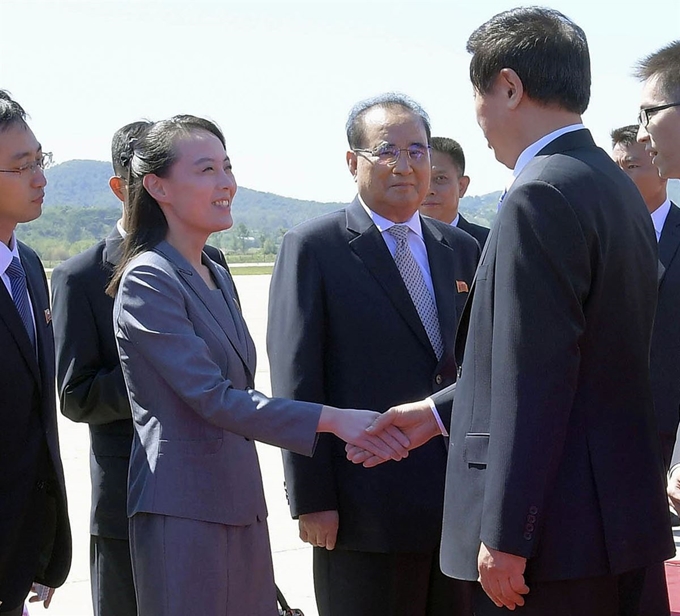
(18, 611)
(370, 584)
(113, 590)
(608, 595)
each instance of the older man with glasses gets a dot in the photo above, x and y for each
(364, 304)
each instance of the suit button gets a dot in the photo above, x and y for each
(533, 510)
(529, 528)
(531, 519)
(528, 536)
(438, 379)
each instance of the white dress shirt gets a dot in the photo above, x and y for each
(6, 256)
(415, 241)
(659, 216)
(454, 222)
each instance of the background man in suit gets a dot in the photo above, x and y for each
(659, 131)
(664, 359)
(35, 539)
(92, 390)
(448, 185)
(554, 478)
(344, 330)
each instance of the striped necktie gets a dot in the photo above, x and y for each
(17, 280)
(417, 289)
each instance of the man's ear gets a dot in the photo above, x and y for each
(118, 187)
(463, 183)
(351, 159)
(155, 187)
(510, 82)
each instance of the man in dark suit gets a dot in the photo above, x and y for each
(632, 158)
(92, 390)
(35, 538)
(345, 330)
(554, 495)
(448, 185)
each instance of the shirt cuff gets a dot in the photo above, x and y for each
(437, 418)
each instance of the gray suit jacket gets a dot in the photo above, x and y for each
(189, 365)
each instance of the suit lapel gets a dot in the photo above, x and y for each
(370, 247)
(213, 303)
(11, 318)
(441, 258)
(670, 239)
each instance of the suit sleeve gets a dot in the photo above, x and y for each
(89, 391)
(541, 283)
(155, 333)
(296, 349)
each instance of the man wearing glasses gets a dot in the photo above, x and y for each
(659, 131)
(35, 538)
(363, 309)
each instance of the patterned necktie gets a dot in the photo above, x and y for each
(17, 280)
(417, 289)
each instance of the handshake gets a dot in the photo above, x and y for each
(373, 438)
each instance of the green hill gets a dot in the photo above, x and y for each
(80, 209)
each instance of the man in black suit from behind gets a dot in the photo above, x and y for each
(448, 185)
(92, 390)
(344, 330)
(555, 484)
(665, 356)
(35, 538)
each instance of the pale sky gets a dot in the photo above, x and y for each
(280, 77)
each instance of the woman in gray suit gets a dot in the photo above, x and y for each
(198, 530)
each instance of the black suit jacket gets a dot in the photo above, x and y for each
(477, 231)
(89, 377)
(343, 331)
(554, 454)
(29, 446)
(665, 353)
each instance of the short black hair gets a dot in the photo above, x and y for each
(11, 112)
(547, 50)
(121, 145)
(452, 148)
(664, 63)
(626, 135)
(389, 100)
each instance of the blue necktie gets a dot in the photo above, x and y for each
(17, 280)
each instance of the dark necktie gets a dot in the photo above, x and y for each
(17, 280)
(417, 289)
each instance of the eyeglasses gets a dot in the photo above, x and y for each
(646, 113)
(41, 163)
(389, 154)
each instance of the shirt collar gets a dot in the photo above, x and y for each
(659, 216)
(7, 254)
(454, 222)
(119, 226)
(383, 224)
(537, 146)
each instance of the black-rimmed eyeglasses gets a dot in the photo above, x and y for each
(389, 154)
(646, 113)
(44, 161)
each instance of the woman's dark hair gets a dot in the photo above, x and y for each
(154, 153)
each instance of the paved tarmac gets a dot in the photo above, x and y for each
(292, 558)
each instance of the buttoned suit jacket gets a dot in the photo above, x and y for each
(89, 377)
(665, 353)
(28, 425)
(343, 331)
(189, 364)
(554, 454)
(477, 231)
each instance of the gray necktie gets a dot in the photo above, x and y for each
(17, 281)
(417, 289)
